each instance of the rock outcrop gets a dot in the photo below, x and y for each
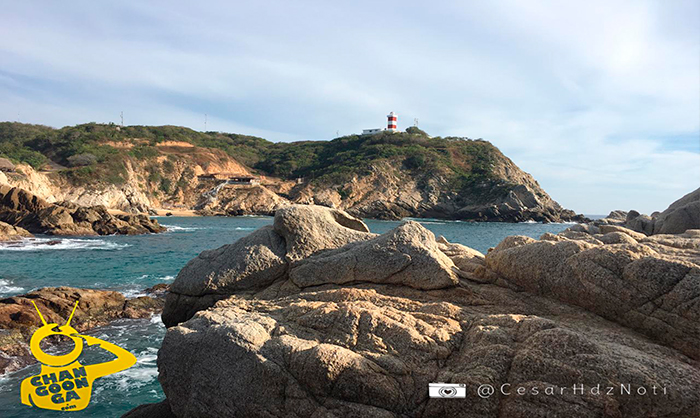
(6, 165)
(12, 233)
(360, 325)
(388, 192)
(256, 261)
(19, 319)
(238, 200)
(23, 209)
(680, 216)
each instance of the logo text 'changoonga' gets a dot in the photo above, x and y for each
(63, 383)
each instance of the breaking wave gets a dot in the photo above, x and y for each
(7, 288)
(42, 244)
(176, 228)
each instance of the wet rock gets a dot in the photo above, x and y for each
(19, 319)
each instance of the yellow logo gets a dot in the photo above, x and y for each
(63, 384)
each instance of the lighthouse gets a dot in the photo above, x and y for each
(391, 123)
(392, 119)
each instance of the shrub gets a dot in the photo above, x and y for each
(414, 130)
(82, 160)
(415, 161)
(144, 151)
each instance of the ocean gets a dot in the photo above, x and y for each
(130, 264)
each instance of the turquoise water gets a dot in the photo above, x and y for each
(130, 264)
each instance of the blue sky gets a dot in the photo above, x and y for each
(598, 100)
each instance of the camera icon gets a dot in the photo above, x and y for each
(447, 390)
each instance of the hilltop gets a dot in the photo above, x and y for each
(387, 175)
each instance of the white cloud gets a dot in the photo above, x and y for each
(597, 99)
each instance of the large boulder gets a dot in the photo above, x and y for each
(641, 223)
(680, 216)
(618, 215)
(407, 255)
(371, 352)
(605, 229)
(310, 228)
(259, 259)
(253, 262)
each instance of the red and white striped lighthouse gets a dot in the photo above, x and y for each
(391, 125)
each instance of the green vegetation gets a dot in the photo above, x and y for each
(414, 130)
(95, 153)
(463, 161)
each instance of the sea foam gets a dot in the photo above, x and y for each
(6, 287)
(42, 244)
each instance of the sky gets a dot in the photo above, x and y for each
(598, 100)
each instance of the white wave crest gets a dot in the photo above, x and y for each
(42, 244)
(142, 373)
(6, 287)
(167, 278)
(132, 293)
(176, 228)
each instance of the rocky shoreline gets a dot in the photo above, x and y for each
(680, 216)
(19, 319)
(316, 316)
(31, 214)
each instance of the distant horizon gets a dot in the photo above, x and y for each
(598, 101)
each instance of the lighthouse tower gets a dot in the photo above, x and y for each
(391, 124)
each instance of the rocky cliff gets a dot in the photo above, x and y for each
(387, 176)
(315, 316)
(26, 212)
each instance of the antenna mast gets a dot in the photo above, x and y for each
(121, 115)
(415, 122)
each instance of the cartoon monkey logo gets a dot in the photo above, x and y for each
(63, 384)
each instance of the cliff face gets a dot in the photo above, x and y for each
(386, 176)
(390, 192)
(170, 180)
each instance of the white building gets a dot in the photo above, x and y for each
(391, 126)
